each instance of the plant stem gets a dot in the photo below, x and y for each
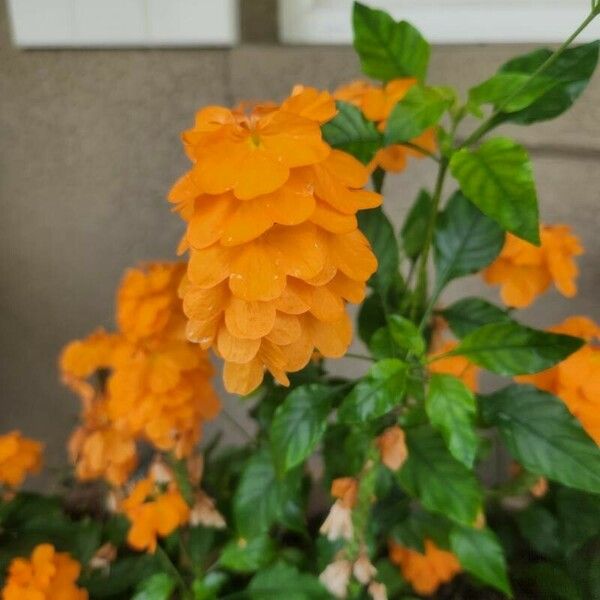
(236, 424)
(492, 120)
(186, 593)
(359, 356)
(421, 287)
(420, 150)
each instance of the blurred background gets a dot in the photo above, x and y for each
(94, 95)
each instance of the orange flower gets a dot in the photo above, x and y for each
(345, 489)
(525, 271)
(163, 395)
(392, 447)
(153, 512)
(18, 457)
(459, 366)
(100, 450)
(377, 103)
(273, 259)
(157, 384)
(47, 575)
(425, 572)
(576, 380)
(147, 302)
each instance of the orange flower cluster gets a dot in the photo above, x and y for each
(275, 250)
(154, 384)
(525, 271)
(576, 380)
(100, 450)
(459, 366)
(18, 457)
(154, 510)
(376, 103)
(47, 575)
(425, 572)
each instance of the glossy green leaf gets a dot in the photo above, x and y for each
(248, 556)
(468, 314)
(570, 75)
(352, 132)
(159, 586)
(513, 349)
(451, 409)
(261, 496)
(498, 178)
(376, 394)
(543, 436)
(465, 240)
(437, 479)
(406, 334)
(299, 424)
(413, 233)
(420, 109)
(387, 49)
(512, 91)
(380, 233)
(285, 581)
(480, 553)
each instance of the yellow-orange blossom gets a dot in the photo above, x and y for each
(275, 250)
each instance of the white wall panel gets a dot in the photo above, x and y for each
(442, 21)
(123, 23)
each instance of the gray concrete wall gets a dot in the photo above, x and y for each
(89, 146)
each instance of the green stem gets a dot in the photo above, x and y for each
(421, 287)
(492, 120)
(359, 356)
(186, 593)
(421, 150)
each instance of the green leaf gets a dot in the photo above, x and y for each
(299, 424)
(261, 496)
(570, 75)
(399, 334)
(380, 233)
(465, 240)
(420, 109)
(406, 335)
(387, 49)
(451, 409)
(513, 349)
(371, 317)
(207, 587)
(124, 575)
(380, 391)
(498, 178)
(247, 556)
(579, 517)
(285, 581)
(500, 90)
(159, 586)
(419, 526)
(468, 314)
(480, 553)
(542, 435)
(414, 230)
(550, 582)
(540, 528)
(352, 132)
(438, 480)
